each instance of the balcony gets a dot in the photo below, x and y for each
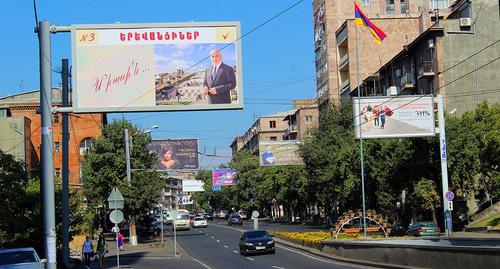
(344, 62)
(406, 81)
(292, 129)
(426, 69)
(344, 86)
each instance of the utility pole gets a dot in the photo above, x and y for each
(46, 156)
(133, 236)
(444, 166)
(65, 170)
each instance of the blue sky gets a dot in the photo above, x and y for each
(277, 58)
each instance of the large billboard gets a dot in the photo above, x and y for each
(184, 199)
(224, 177)
(279, 153)
(189, 185)
(178, 154)
(406, 116)
(156, 67)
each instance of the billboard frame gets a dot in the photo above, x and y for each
(159, 108)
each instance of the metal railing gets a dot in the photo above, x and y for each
(426, 67)
(406, 79)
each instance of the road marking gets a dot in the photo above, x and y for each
(212, 237)
(218, 241)
(226, 246)
(277, 267)
(252, 259)
(235, 251)
(307, 255)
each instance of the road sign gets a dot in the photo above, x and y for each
(255, 214)
(449, 195)
(450, 205)
(116, 216)
(115, 199)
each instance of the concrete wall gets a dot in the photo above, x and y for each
(13, 135)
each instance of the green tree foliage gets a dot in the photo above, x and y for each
(104, 167)
(425, 196)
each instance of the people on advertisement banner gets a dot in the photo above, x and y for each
(376, 114)
(167, 160)
(268, 157)
(219, 80)
(382, 118)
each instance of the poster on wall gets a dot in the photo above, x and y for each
(401, 116)
(175, 154)
(224, 177)
(156, 67)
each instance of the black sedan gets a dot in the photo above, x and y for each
(256, 241)
(208, 216)
(234, 219)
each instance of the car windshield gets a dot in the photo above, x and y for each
(183, 217)
(17, 257)
(257, 234)
(428, 224)
(235, 216)
(199, 219)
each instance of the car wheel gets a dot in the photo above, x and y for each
(273, 251)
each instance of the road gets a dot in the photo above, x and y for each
(217, 247)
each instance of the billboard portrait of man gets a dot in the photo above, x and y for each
(219, 80)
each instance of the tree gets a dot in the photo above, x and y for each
(104, 167)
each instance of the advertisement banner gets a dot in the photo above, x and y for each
(406, 116)
(176, 154)
(279, 153)
(184, 199)
(189, 185)
(224, 177)
(156, 67)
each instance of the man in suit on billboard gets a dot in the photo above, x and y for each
(219, 80)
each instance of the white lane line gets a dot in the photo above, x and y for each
(307, 255)
(235, 251)
(212, 237)
(226, 246)
(218, 241)
(252, 259)
(277, 267)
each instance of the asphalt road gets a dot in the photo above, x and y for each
(217, 247)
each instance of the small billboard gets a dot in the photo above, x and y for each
(184, 199)
(224, 177)
(189, 185)
(156, 67)
(401, 116)
(178, 154)
(279, 153)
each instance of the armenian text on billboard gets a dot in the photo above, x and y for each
(156, 67)
(279, 153)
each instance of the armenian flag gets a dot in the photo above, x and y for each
(361, 20)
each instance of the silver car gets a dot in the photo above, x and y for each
(20, 258)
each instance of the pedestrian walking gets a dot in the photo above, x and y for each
(120, 241)
(102, 249)
(87, 251)
(115, 231)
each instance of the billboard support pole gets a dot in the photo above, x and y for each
(65, 171)
(47, 158)
(133, 236)
(360, 137)
(444, 166)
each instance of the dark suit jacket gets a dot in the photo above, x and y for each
(224, 82)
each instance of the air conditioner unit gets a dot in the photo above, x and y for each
(393, 90)
(465, 22)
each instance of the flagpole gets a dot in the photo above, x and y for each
(360, 135)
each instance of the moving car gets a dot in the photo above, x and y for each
(424, 228)
(182, 223)
(208, 216)
(200, 222)
(234, 219)
(256, 241)
(22, 258)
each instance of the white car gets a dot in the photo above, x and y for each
(200, 222)
(182, 223)
(21, 258)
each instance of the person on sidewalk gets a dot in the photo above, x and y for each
(102, 249)
(120, 241)
(87, 251)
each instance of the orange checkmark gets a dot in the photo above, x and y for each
(225, 35)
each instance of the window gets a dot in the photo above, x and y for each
(273, 138)
(272, 124)
(85, 146)
(57, 146)
(56, 119)
(404, 7)
(366, 2)
(308, 118)
(389, 6)
(58, 172)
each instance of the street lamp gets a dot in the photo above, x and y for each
(148, 131)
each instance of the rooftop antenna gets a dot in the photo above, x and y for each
(21, 86)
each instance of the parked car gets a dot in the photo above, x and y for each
(256, 241)
(200, 222)
(222, 214)
(397, 231)
(234, 219)
(21, 258)
(182, 223)
(208, 216)
(424, 228)
(242, 214)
